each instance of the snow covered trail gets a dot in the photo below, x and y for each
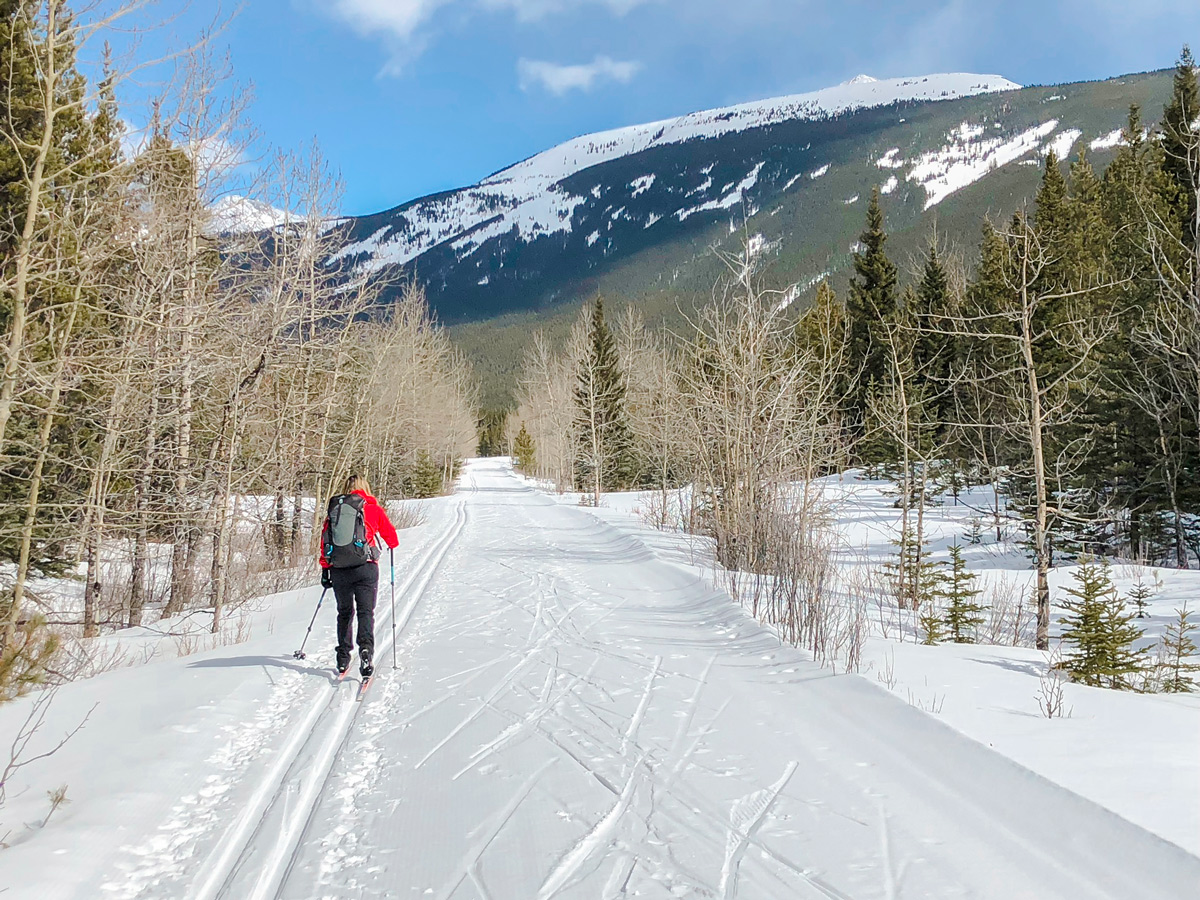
(573, 717)
(576, 718)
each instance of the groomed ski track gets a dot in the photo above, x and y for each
(256, 853)
(576, 717)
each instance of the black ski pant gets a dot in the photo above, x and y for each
(355, 588)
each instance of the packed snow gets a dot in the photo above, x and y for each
(579, 712)
(817, 173)
(641, 185)
(890, 160)
(890, 185)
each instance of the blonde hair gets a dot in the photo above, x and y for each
(357, 483)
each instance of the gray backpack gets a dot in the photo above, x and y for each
(344, 537)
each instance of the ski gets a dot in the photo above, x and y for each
(341, 676)
(362, 688)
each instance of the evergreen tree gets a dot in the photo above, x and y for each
(1100, 631)
(871, 301)
(933, 355)
(933, 624)
(1177, 654)
(916, 579)
(1181, 143)
(426, 478)
(1145, 451)
(958, 594)
(491, 432)
(523, 451)
(606, 460)
(1140, 595)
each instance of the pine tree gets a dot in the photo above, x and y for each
(1100, 631)
(1181, 142)
(491, 432)
(1139, 596)
(958, 594)
(523, 451)
(606, 460)
(915, 578)
(426, 478)
(933, 623)
(1051, 217)
(1177, 654)
(872, 300)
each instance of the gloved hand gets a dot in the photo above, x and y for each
(326, 578)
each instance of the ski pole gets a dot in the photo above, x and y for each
(299, 654)
(392, 556)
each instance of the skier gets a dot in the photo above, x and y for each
(349, 553)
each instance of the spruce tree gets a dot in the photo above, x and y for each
(605, 460)
(1099, 631)
(523, 451)
(933, 354)
(958, 594)
(872, 300)
(426, 478)
(915, 578)
(1177, 654)
(1181, 142)
(1140, 595)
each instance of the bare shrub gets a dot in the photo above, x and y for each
(1012, 614)
(19, 753)
(665, 510)
(887, 673)
(1051, 687)
(406, 515)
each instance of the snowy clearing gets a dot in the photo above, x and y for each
(577, 713)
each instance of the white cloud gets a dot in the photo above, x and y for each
(403, 20)
(396, 18)
(559, 79)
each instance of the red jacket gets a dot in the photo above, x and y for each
(378, 526)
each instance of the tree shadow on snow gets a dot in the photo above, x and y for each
(1022, 667)
(278, 662)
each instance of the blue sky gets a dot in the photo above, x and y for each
(407, 97)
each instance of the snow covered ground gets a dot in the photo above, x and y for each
(577, 713)
(1135, 754)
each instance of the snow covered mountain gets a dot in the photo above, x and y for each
(235, 214)
(531, 196)
(633, 211)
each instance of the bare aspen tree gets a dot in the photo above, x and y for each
(761, 429)
(654, 404)
(546, 404)
(1038, 392)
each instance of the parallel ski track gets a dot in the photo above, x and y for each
(254, 857)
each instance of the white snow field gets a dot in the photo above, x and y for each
(573, 716)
